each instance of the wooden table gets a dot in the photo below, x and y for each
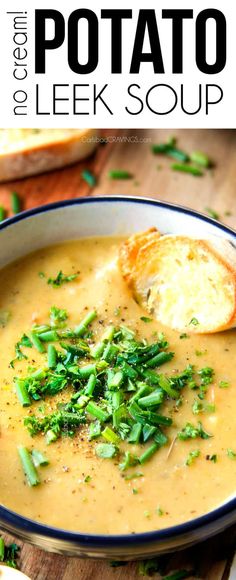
(152, 176)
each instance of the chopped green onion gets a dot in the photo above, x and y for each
(187, 169)
(52, 356)
(148, 453)
(15, 203)
(82, 327)
(22, 393)
(39, 458)
(2, 213)
(49, 336)
(88, 177)
(87, 370)
(110, 436)
(212, 213)
(148, 431)
(180, 575)
(2, 549)
(105, 450)
(91, 384)
(94, 430)
(159, 359)
(37, 342)
(171, 151)
(51, 436)
(135, 433)
(200, 159)
(155, 398)
(28, 466)
(97, 412)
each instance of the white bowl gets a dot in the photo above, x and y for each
(106, 216)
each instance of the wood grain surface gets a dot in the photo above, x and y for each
(151, 176)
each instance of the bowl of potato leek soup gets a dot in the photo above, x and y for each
(117, 422)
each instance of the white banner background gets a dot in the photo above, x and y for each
(221, 115)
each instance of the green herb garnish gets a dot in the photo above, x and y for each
(231, 454)
(61, 279)
(192, 432)
(192, 456)
(212, 213)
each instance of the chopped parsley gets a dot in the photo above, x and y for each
(192, 432)
(160, 511)
(61, 279)
(192, 456)
(183, 335)
(202, 407)
(58, 316)
(231, 454)
(145, 319)
(23, 342)
(223, 384)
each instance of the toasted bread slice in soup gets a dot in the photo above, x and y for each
(25, 152)
(186, 283)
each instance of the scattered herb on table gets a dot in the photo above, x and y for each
(119, 174)
(170, 150)
(15, 202)
(184, 168)
(212, 213)
(200, 159)
(89, 177)
(9, 554)
(179, 575)
(149, 567)
(2, 213)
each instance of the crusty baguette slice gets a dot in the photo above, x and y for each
(25, 152)
(188, 284)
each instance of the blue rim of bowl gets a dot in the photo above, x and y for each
(14, 520)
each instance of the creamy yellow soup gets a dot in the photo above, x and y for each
(80, 491)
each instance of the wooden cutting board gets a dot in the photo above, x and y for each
(152, 176)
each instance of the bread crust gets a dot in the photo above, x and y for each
(32, 155)
(156, 267)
